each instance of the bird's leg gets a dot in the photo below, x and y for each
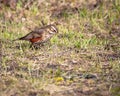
(35, 45)
(31, 45)
(43, 23)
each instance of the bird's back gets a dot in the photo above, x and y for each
(40, 34)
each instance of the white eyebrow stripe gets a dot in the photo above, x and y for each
(54, 28)
(51, 32)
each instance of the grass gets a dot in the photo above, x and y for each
(78, 48)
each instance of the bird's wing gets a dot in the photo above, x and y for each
(34, 34)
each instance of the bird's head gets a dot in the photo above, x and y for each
(54, 29)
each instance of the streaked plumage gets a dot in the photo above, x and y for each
(40, 35)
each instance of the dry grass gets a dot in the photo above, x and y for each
(84, 55)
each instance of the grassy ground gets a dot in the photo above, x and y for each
(83, 59)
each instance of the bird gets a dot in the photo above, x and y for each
(40, 35)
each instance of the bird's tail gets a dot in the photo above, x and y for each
(22, 38)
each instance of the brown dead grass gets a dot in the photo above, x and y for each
(83, 59)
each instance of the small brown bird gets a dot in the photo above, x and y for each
(40, 35)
